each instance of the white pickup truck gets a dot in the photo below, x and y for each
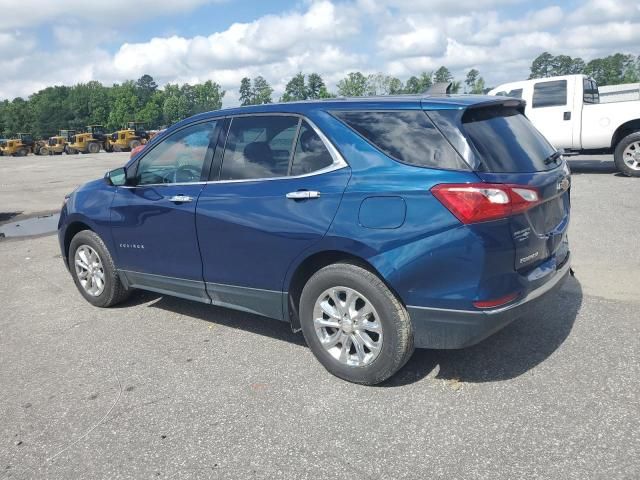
(567, 110)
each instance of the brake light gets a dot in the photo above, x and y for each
(480, 202)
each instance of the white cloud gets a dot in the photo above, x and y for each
(399, 37)
(29, 13)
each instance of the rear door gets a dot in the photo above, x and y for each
(551, 111)
(510, 151)
(279, 187)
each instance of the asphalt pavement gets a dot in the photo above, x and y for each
(166, 388)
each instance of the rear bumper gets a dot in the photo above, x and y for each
(448, 329)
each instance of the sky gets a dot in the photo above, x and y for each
(63, 42)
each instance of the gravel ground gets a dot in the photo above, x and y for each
(166, 388)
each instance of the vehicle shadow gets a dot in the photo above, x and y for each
(507, 354)
(225, 317)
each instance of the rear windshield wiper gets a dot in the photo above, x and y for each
(552, 158)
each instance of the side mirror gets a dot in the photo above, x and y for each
(117, 177)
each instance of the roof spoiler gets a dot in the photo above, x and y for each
(439, 88)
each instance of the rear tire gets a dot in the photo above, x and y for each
(627, 155)
(371, 337)
(22, 152)
(134, 144)
(93, 148)
(95, 275)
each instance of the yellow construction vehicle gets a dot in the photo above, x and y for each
(18, 147)
(90, 141)
(38, 145)
(131, 136)
(67, 134)
(55, 146)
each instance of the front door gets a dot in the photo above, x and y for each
(153, 221)
(278, 190)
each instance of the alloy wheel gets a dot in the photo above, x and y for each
(89, 270)
(631, 155)
(348, 326)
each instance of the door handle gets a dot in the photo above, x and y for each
(566, 116)
(181, 199)
(303, 195)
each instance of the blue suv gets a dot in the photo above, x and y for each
(373, 225)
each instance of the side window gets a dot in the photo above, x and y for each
(177, 159)
(590, 94)
(549, 94)
(310, 154)
(259, 147)
(407, 136)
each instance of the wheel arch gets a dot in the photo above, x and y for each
(623, 130)
(71, 231)
(310, 265)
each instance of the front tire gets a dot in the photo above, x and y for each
(354, 325)
(93, 148)
(94, 272)
(627, 155)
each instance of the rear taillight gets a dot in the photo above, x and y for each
(480, 202)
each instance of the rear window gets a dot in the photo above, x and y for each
(407, 136)
(506, 141)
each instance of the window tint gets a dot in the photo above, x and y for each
(408, 136)
(506, 141)
(259, 147)
(311, 154)
(591, 93)
(549, 94)
(178, 158)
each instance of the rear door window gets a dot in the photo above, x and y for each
(311, 154)
(407, 136)
(506, 141)
(549, 94)
(259, 147)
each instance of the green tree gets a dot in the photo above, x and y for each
(261, 92)
(246, 93)
(542, 66)
(296, 89)
(354, 85)
(206, 97)
(380, 84)
(49, 108)
(152, 112)
(418, 85)
(145, 88)
(442, 75)
(474, 82)
(316, 87)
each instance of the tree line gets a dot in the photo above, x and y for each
(53, 108)
(612, 70)
(60, 107)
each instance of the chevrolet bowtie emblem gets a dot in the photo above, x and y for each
(563, 184)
